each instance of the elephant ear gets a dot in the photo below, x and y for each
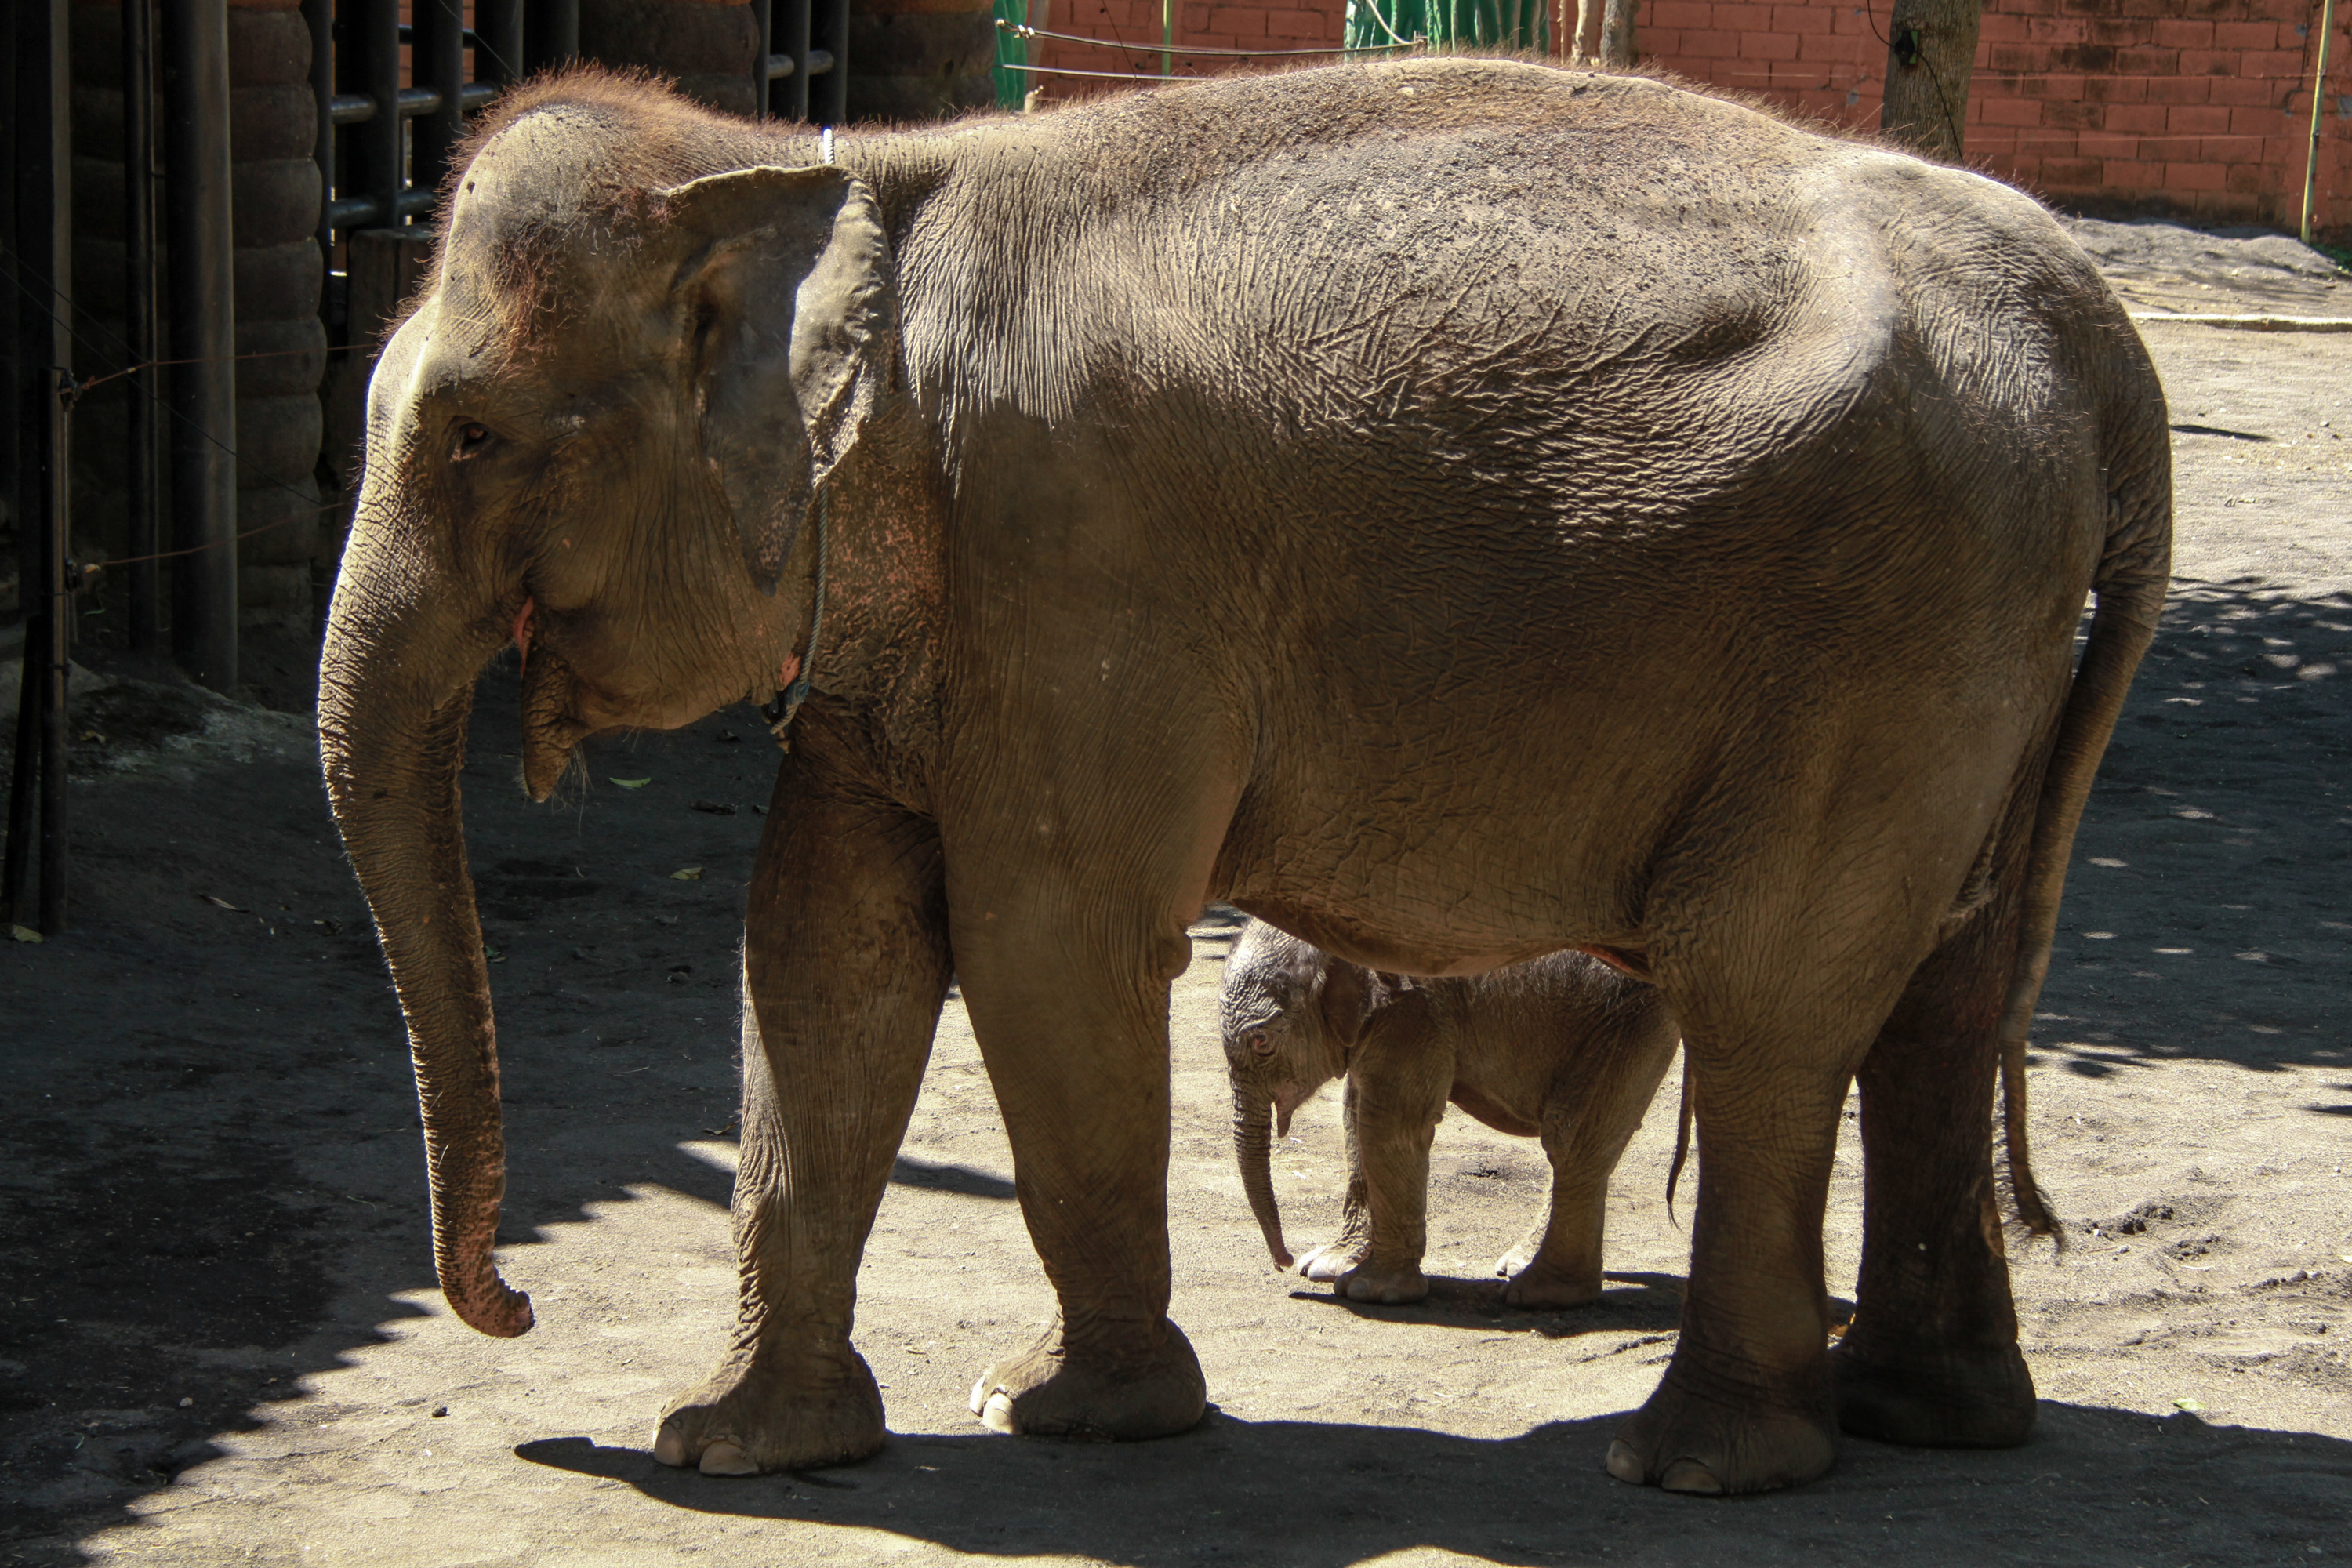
(1351, 993)
(787, 287)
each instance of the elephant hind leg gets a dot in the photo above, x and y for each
(1932, 1355)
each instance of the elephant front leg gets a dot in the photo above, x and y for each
(1342, 1253)
(845, 967)
(1932, 1356)
(1072, 1022)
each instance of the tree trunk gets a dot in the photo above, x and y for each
(1931, 56)
(1617, 34)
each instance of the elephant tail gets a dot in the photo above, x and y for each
(2134, 568)
(1682, 1143)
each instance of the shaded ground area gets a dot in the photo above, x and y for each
(219, 1343)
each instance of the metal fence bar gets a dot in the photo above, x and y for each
(197, 227)
(139, 320)
(551, 34)
(438, 66)
(828, 90)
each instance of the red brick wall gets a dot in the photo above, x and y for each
(2200, 107)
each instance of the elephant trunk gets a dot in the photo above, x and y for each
(396, 686)
(1254, 1148)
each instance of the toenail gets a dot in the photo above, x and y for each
(1690, 1476)
(997, 1415)
(669, 1447)
(722, 1458)
(1624, 1464)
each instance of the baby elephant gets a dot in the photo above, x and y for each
(1564, 1048)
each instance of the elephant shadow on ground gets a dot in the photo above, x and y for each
(2119, 1487)
(1629, 1303)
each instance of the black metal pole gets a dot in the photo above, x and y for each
(761, 19)
(369, 56)
(138, 318)
(789, 28)
(204, 335)
(319, 16)
(498, 53)
(19, 329)
(438, 61)
(829, 30)
(58, 657)
(551, 33)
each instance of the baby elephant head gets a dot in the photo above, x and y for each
(1290, 1015)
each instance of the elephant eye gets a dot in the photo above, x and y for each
(1259, 1043)
(471, 436)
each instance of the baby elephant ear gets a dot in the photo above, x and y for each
(785, 288)
(1350, 996)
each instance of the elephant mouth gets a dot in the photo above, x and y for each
(552, 728)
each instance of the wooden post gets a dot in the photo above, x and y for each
(2318, 97)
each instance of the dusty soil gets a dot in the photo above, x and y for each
(219, 1342)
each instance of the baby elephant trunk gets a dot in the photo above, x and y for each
(1254, 1148)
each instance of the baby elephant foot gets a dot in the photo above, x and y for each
(1687, 1442)
(1387, 1285)
(1933, 1396)
(1541, 1283)
(1151, 1388)
(744, 1420)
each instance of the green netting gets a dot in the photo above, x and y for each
(1451, 24)
(1012, 86)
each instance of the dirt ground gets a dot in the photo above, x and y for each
(220, 1343)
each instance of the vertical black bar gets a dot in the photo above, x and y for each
(551, 33)
(20, 329)
(198, 236)
(438, 60)
(760, 17)
(829, 30)
(319, 16)
(498, 57)
(56, 473)
(789, 28)
(138, 316)
(368, 62)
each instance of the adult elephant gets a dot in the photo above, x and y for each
(1452, 508)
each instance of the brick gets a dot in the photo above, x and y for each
(2085, 116)
(2131, 174)
(2107, 145)
(2017, 58)
(1771, 46)
(2182, 88)
(1238, 21)
(2260, 121)
(2194, 176)
(2058, 29)
(2009, 111)
(2170, 149)
(2115, 88)
(1802, 18)
(2069, 174)
(2246, 35)
(2245, 177)
(1311, 27)
(1710, 43)
(2175, 32)
(1742, 17)
(2147, 61)
(2062, 85)
(2140, 117)
(1677, 15)
(2123, 31)
(1996, 29)
(2200, 117)
(1814, 47)
(2270, 63)
(2240, 92)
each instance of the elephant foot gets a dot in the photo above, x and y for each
(1542, 1284)
(1328, 1262)
(1123, 1394)
(746, 1421)
(1715, 1444)
(1933, 1396)
(1387, 1285)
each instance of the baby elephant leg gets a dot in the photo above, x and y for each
(1586, 1126)
(1354, 1244)
(1395, 1097)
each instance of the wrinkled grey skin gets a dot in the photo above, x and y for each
(1562, 1047)
(1456, 510)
